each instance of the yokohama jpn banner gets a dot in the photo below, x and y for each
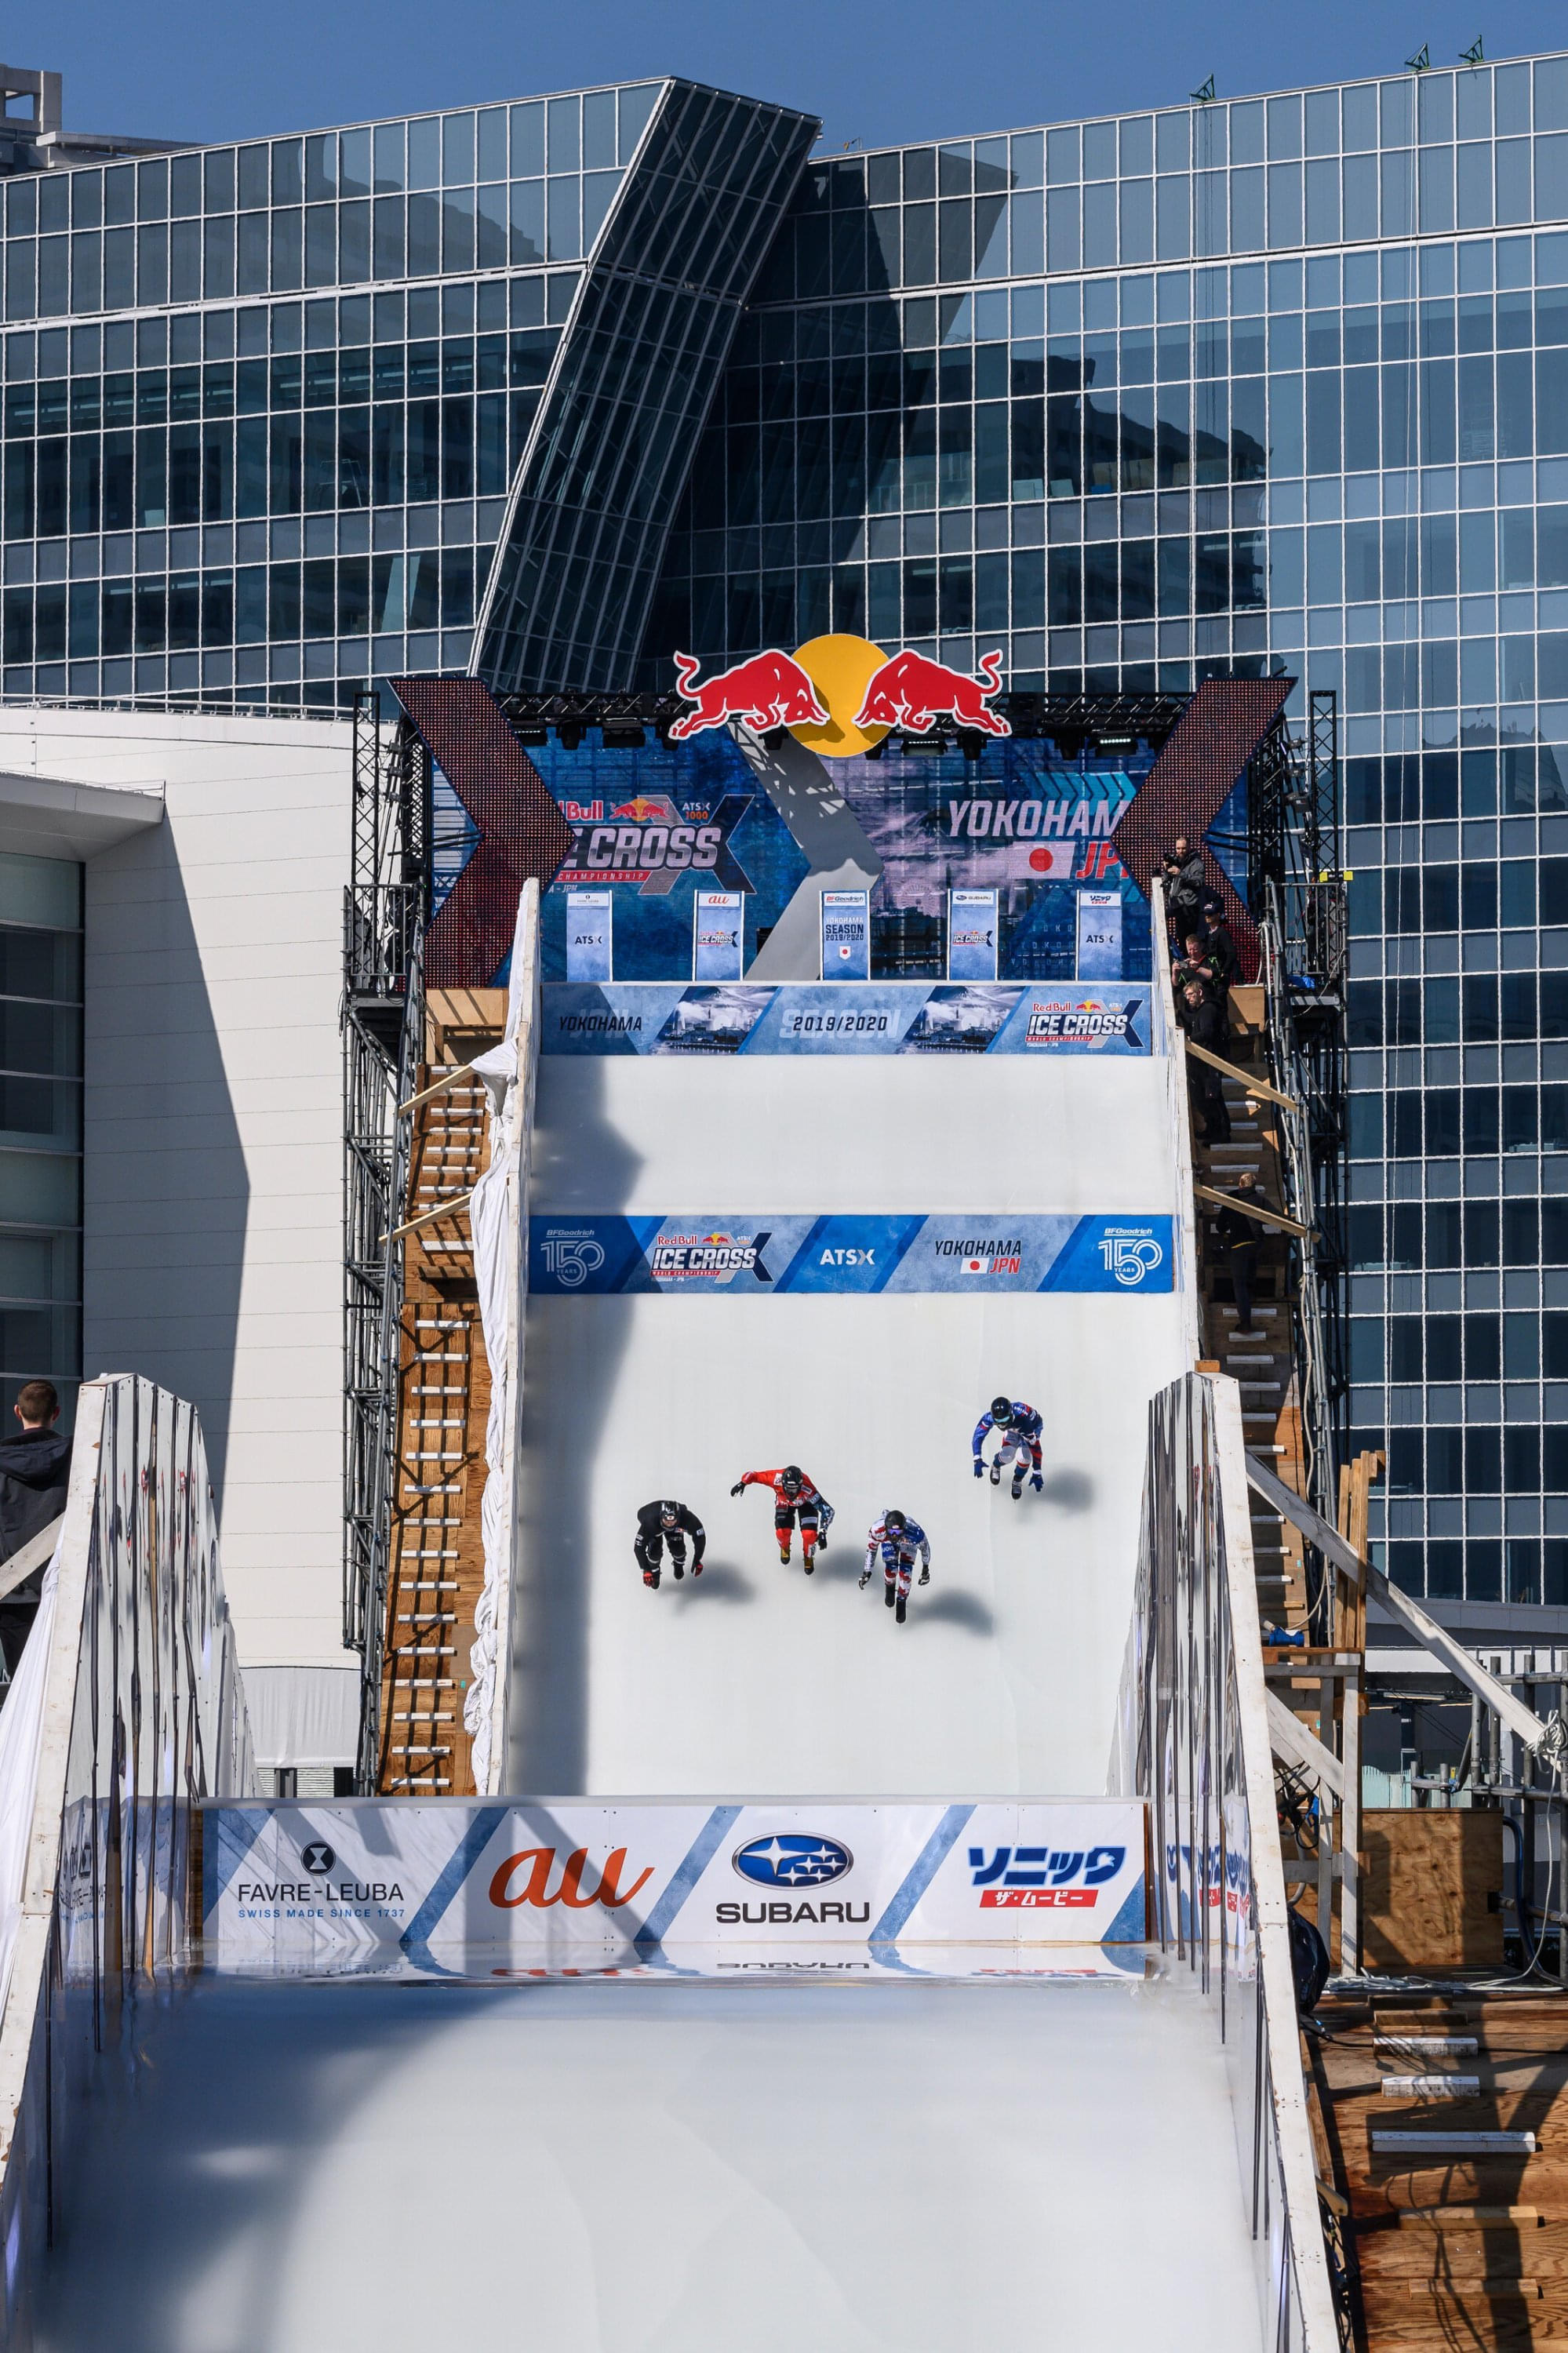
(702, 1254)
(375, 1883)
(1043, 1018)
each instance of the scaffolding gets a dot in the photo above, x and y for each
(385, 910)
(1297, 893)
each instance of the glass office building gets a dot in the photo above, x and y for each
(549, 389)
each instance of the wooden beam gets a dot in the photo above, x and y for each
(36, 1553)
(447, 1079)
(1290, 1738)
(1243, 1077)
(1249, 1210)
(426, 1217)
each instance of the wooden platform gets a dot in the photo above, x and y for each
(1463, 2250)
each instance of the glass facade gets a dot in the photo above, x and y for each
(1274, 383)
(40, 1127)
(227, 480)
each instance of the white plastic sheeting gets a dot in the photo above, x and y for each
(496, 1211)
(1194, 1741)
(21, 1741)
(142, 1715)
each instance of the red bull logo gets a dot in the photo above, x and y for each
(769, 691)
(911, 691)
(840, 695)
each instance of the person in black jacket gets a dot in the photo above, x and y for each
(1221, 943)
(35, 1471)
(1205, 1024)
(668, 1523)
(1185, 882)
(1238, 1237)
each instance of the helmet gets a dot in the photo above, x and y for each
(1002, 1408)
(669, 1514)
(793, 1479)
(894, 1522)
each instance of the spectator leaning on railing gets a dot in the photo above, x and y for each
(35, 1471)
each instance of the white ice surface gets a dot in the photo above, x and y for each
(658, 2169)
(756, 1680)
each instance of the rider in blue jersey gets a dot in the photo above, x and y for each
(898, 1538)
(1019, 1427)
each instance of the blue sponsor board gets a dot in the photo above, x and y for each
(880, 1017)
(744, 1258)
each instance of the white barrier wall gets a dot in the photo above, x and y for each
(213, 1109)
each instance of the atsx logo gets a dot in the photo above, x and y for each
(1035, 1878)
(537, 1890)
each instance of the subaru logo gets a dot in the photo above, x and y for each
(792, 1858)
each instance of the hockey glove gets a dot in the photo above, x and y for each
(865, 1581)
(980, 1468)
(1038, 1483)
(925, 1577)
(738, 1488)
(696, 1568)
(649, 1577)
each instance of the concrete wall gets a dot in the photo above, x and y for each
(213, 1184)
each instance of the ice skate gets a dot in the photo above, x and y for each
(899, 1613)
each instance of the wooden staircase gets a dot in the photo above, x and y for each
(1466, 2245)
(437, 1563)
(1265, 1369)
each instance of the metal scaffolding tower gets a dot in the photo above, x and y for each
(385, 908)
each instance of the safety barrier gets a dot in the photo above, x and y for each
(1169, 1052)
(134, 1711)
(1194, 1741)
(496, 1215)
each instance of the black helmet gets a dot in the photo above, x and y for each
(894, 1520)
(1002, 1408)
(794, 1478)
(669, 1514)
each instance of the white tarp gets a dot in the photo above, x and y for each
(495, 1210)
(365, 1883)
(21, 1740)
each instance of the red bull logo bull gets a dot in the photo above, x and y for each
(911, 691)
(840, 695)
(769, 691)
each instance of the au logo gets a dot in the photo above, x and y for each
(839, 695)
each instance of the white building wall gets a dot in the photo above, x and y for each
(213, 1118)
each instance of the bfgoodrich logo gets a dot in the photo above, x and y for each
(792, 1858)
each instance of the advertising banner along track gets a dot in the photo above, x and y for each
(371, 1883)
(743, 1256)
(877, 1017)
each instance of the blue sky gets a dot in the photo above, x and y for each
(875, 73)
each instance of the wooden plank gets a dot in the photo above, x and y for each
(1427, 1877)
(1249, 1210)
(1243, 1077)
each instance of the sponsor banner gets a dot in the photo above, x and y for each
(1099, 936)
(459, 1883)
(746, 1257)
(589, 914)
(846, 935)
(973, 922)
(718, 936)
(862, 1017)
